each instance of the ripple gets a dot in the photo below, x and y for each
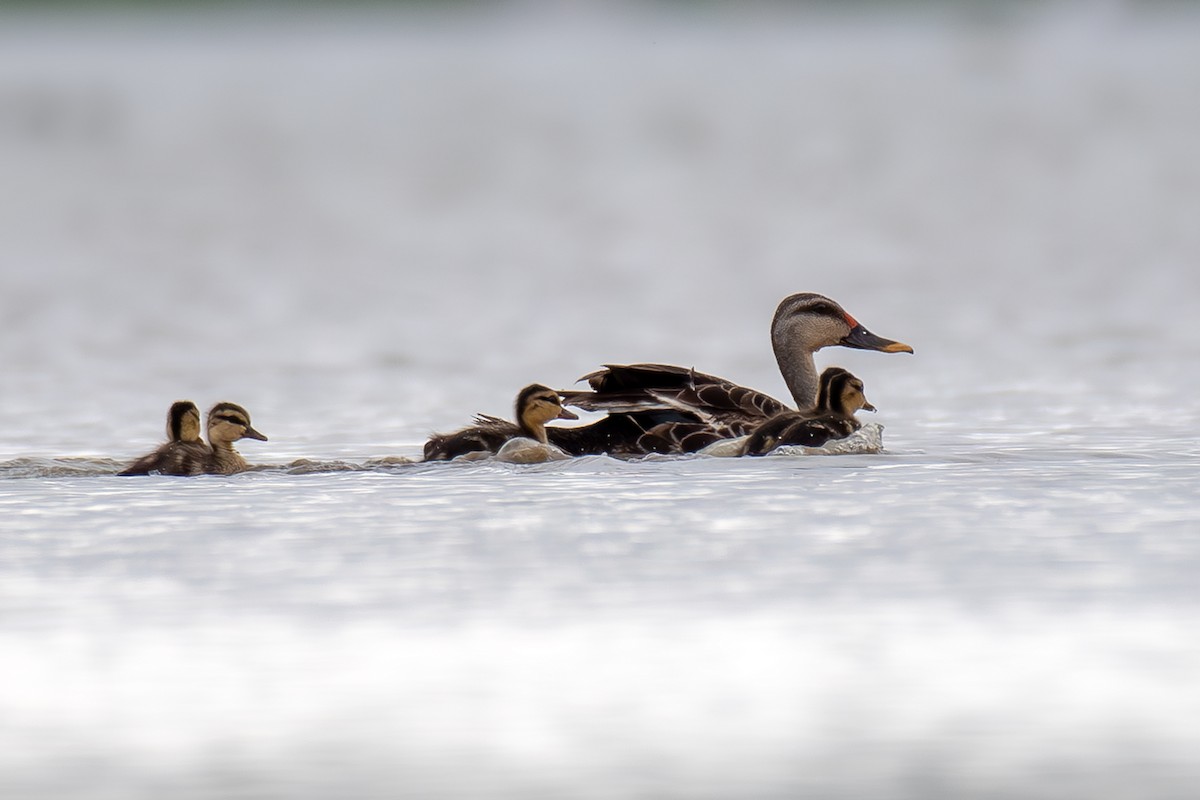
(62, 467)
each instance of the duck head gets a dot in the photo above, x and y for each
(813, 321)
(536, 405)
(228, 422)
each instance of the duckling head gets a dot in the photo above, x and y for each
(842, 393)
(228, 422)
(183, 422)
(854, 398)
(537, 405)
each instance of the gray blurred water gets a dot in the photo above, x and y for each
(366, 227)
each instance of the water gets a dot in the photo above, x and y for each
(369, 227)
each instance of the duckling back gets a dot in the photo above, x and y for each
(185, 453)
(173, 458)
(487, 435)
(792, 429)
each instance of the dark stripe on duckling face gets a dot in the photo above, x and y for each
(841, 393)
(228, 408)
(234, 415)
(537, 393)
(833, 381)
(533, 392)
(535, 406)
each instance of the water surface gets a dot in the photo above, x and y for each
(368, 228)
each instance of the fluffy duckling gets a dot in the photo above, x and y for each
(535, 406)
(185, 453)
(839, 397)
(227, 423)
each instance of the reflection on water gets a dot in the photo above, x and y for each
(367, 228)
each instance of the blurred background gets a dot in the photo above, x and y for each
(366, 222)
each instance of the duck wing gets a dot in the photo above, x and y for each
(618, 384)
(629, 377)
(617, 434)
(705, 407)
(680, 437)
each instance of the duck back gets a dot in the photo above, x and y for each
(173, 458)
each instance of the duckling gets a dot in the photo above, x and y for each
(535, 406)
(185, 453)
(228, 422)
(839, 396)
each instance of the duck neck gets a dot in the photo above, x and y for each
(225, 457)
(799, 372)
(533, 429)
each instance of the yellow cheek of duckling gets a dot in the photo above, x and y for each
(226, 430)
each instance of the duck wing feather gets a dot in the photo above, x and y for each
(614, 434)
(707, 407)
(680, 437)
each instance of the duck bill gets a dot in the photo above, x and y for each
(862, 339)
(565, 414)
(253, 434)
(868, 407)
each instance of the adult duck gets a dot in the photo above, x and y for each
(663, 408)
